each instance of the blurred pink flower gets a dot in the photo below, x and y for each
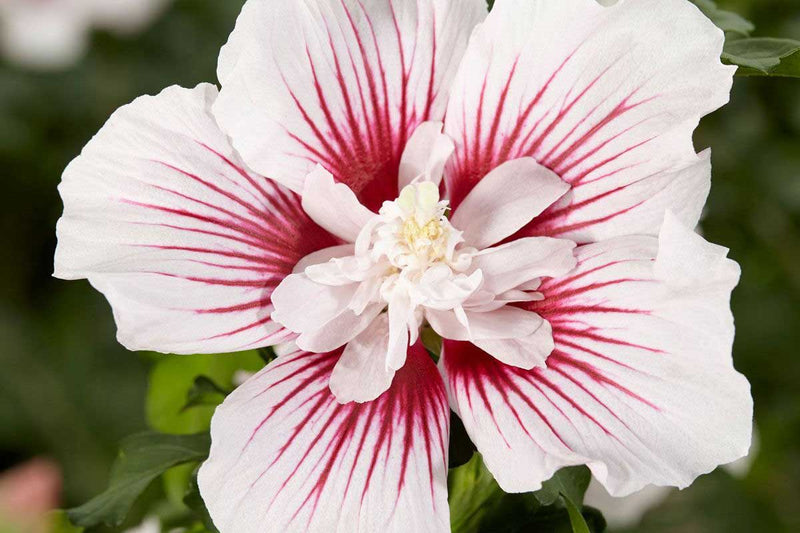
(53, 34)
(523, 183)
(27, 493)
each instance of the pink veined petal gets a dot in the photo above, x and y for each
(286, 456)
(425, 154)
(640, 386)
(606, 97)
(505, 200)
(334, 206)
(511, 265)
(361, 374)
(186, 243)
(342, 83)
(305, 305)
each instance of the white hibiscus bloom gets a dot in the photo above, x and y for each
(524, 183)
(52, 34)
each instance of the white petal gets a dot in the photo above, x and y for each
(399, 313)
(339, 331)
(323, 256)
(186, 243)
(361, 374)
(286, 456)
(505, 200)
(303, 305)
(525, 352)
(607, 98)
(425, 154)
(334, 206)
(441, 290)
(342, 83)
(640, 386)
(511, 265)
(504, 323)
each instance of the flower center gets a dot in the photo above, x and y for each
(413, 233)
(407, 258)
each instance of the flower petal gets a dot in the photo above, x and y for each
(606, 97)
(425, 154)
(286, 456)
(508, 266)
(339, 331)
(398, 313)
(334, 206)
(524, 352)
(361, 374)
(304, 305)
(187, 245)
(504, 323)
(342, 83)
(505, 200)
(323, 256)
(640, 385)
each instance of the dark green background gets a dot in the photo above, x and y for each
(69, 391)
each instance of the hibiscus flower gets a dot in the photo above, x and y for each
(523, 184)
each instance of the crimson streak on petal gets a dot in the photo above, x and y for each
(307, 462)
(640, 385)
(341, 83)
(187, 243)
(609, 106)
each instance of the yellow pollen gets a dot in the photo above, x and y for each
(428, 233)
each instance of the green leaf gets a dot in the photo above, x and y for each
(267, 354)
(571, 482)
(472, 492)
(195, 502)
(462, 449)
(175, 481)
(575, 517)
(58, 522)
(727, 21)
(432, 342)
(204, 392)
(142, 458)
(174, 376)
(594, 519)
(764, 56)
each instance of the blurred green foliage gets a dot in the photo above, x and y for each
(177, 380)
(69, 391)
